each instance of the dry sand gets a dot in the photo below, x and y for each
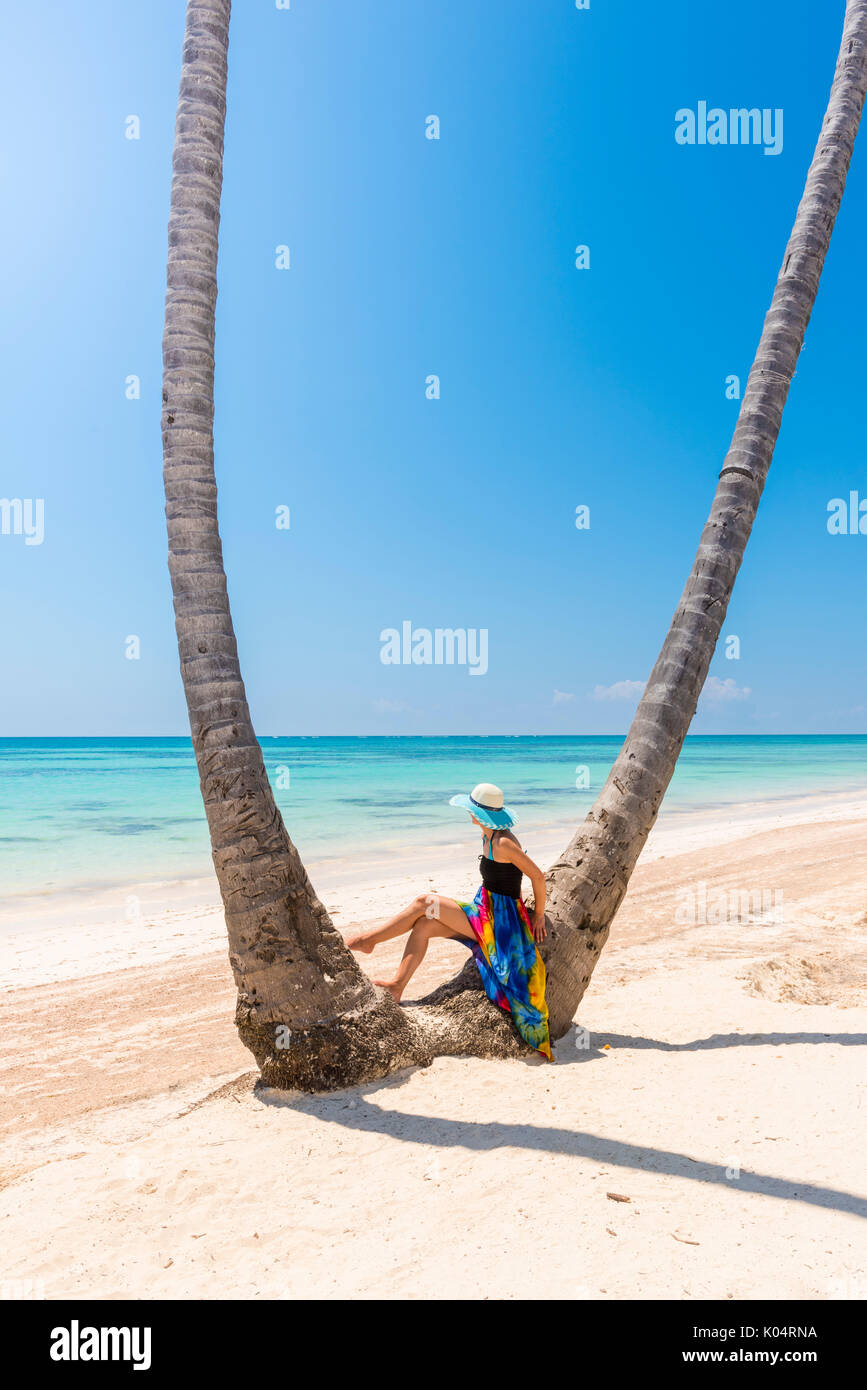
(714, 1080)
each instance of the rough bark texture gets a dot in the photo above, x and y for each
(306, 1010)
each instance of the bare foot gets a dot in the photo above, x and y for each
(394, 989)
(358, 942)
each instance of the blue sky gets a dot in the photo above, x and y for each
(411, 257)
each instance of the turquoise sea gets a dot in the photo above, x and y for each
(96, 812)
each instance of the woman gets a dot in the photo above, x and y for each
(495, 925)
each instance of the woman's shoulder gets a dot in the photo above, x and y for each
(503, 838)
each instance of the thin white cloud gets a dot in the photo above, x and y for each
(723, 692)
(391, 707)
(562, 697)
(620, 690)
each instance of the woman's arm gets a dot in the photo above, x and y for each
(515, 855)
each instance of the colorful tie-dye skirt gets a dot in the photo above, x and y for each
(512, 971)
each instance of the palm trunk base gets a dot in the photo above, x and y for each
(456, 1020)
(352, 1048)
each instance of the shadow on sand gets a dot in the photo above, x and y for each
(353, 1110)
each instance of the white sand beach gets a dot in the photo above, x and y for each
(700, 1136)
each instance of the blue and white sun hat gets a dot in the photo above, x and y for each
(485, 802)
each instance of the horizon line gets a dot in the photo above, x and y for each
(6, 738)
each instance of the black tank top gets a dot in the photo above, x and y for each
(500, 878)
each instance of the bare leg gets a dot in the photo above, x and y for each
(451, 921)
(425, 905)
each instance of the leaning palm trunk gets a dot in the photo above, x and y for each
(302, 998)
(306, 1011)
(588, 882)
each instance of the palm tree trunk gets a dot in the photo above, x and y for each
(587, 884)
(305, 1009)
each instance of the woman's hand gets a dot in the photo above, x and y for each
(539, 929)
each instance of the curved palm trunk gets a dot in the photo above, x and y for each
(307, 1012)
(589, 880)
(302, 999)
